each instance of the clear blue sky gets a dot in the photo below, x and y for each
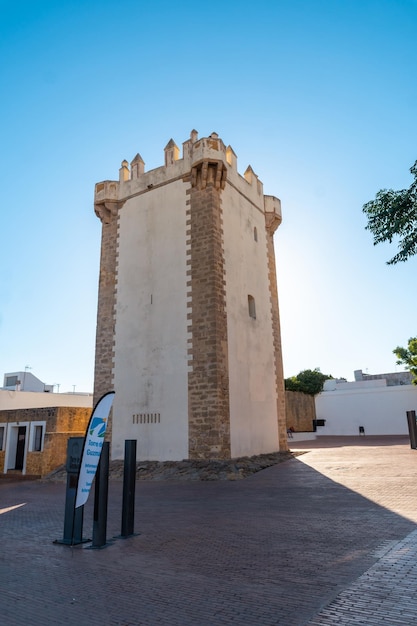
(319, 96)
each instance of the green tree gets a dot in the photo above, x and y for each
(408, 357)
(393, 214)
(307, 381)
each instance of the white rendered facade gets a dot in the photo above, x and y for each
(378, 408)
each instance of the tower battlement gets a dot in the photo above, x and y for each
(207, 160)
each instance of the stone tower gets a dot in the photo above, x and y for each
(188, 331)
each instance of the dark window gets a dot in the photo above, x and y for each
(251, 307)
(11, 381)
(2, 429)
(37, 441)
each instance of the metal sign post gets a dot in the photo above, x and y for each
(73, 519)
(101, 498)
(129, 479)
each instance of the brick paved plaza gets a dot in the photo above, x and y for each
(327, 538)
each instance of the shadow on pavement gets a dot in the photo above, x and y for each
(349, 441)
(271, 549)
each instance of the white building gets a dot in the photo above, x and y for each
(188, 330)
(24, 381)
(11, 400)
(373, 405)
(35, 427)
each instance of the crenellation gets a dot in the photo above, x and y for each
(187, 146)
(172, 153)
(250, 175)
(231, 157)
(124, 172)
(209, 150)
(137, 167)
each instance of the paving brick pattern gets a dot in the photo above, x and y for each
(385, 594)
(326, 538)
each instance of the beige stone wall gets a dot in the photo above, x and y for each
(45, 414)
(103, 372)
(208, 379)
(72, 420)
(300, 411)
(279, 371)
(53, 454)
(61, 423)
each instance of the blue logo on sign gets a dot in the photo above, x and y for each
(98, 427)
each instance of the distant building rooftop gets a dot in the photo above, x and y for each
(24, 381)
(368, 380)
(393, 378)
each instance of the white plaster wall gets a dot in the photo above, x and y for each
(380, 410)
(300, 437)
(34, 400)
(253, 407)
(150, 363)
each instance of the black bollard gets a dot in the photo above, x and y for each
(101, 498)
(412, 428)
(129, 481)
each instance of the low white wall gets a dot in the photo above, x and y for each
(34, 400)
(380, 410)
(301, 437)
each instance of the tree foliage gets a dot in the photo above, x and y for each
(408, 357)
(393, 214)
(307, 381)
